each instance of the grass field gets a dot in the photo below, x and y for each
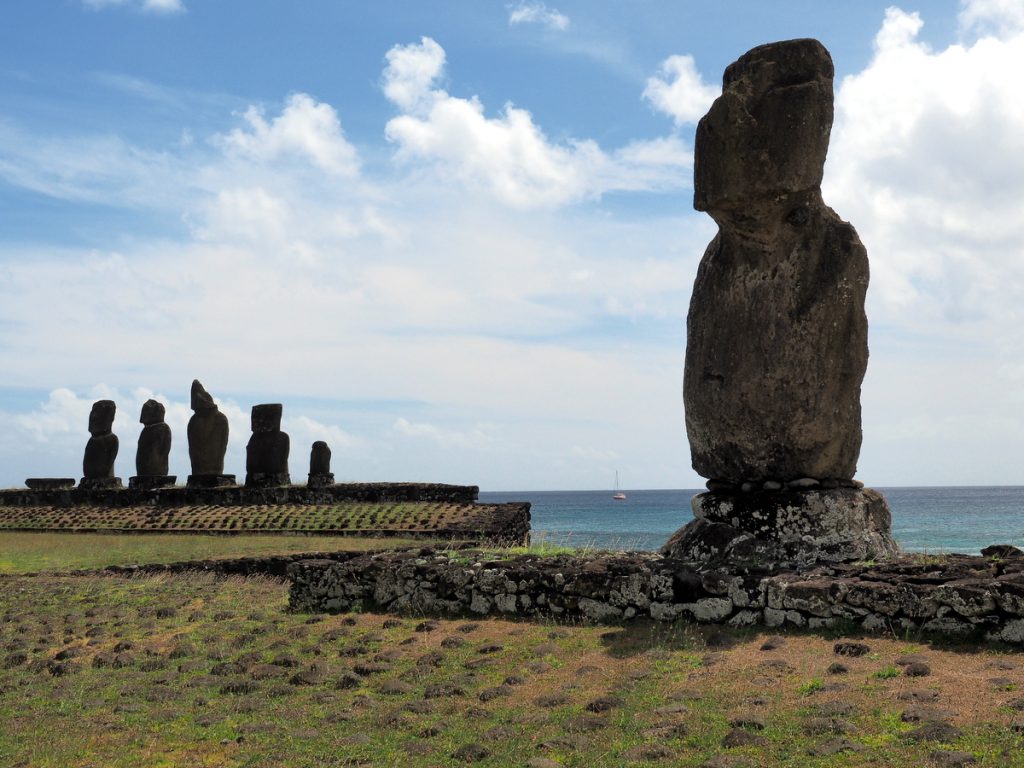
(198, 671)
(31, 552)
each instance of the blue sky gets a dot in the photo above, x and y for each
(456, 239)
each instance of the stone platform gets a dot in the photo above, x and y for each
(980, 598)
(786, 528)
(236, 495)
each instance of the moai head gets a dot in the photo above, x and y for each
(766, 136)
(266, 417)
(152, 413)
(201, 399)
(101, 417)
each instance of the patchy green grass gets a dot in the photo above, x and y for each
(191, 670)
(30, 552)
(888, 672)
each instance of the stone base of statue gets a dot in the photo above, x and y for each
(267, 479)
(99, 483)
(786, 529)
(50, 483)
(152, 481)
(320, 480)
(210, 481)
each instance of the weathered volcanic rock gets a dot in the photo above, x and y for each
(207, 439)
(101, 450)
(786, 529)
(266, 455)
(776, 332)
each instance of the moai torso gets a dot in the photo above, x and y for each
(154, 441)
(207, 434)
(266, 455)
(776, 331)
(101, 450)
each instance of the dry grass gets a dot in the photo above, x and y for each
(40, 551)
(369, 689)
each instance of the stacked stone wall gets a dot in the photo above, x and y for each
(958, 595)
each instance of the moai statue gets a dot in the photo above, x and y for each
(153, 449)
(776, 333)
(320, 465)
(266, 455)
(101, 450)
(207, 441)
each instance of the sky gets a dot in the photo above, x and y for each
(456, 240)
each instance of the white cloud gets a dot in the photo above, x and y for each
(537, 13)
(509, 156)
(148, 6)
(475, 439)
(927, 161)
(679, 90)
(305, 128)
(998, 17)
(411, 72)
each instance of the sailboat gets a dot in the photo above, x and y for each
(619, 495)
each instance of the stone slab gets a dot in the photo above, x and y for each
(210, 481)
(100, 483)
(152, 481)
(49, 483)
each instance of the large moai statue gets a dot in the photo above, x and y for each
(153, 449)
(207, 441)
(266, 455)
(320, 473)
(101, 450)
(776, 332)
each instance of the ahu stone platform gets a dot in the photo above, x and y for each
(971, 597)
(240, 495)
(421, 510)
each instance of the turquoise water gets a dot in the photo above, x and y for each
(923, 519)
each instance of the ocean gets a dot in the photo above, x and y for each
(923, 519)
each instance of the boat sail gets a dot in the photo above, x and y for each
(619, 495)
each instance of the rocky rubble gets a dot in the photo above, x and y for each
(959, 595)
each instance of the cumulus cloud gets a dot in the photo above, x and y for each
(998, 17)
(305, 128)
(927, 160)
(148, 6)
(537, 13)
(509, 155)
(679, 90)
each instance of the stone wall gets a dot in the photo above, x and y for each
(958, 595)
(238, 495)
